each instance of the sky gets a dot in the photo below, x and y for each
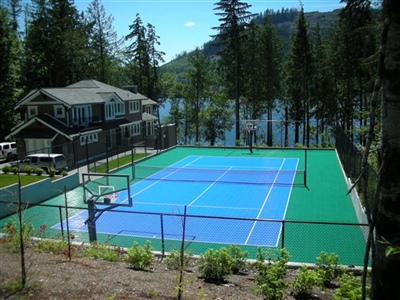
(183, 25)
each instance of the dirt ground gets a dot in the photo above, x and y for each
(52, 276)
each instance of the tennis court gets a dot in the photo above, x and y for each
(238, 187)
(222, 196)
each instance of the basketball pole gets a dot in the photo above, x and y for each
(91, 222)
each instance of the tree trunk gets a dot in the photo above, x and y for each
(386, 269)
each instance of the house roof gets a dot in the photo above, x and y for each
(84, 92)
(51, 127)
(148, 117)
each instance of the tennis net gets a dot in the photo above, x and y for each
(227, 176)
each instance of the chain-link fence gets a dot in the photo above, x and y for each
(166, 232)
(351, 159)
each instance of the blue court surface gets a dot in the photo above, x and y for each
(207, 187)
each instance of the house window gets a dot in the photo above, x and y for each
(59, 111)
(89, 138)
(82, 115)
(32, 111)
(149, 128)
(134, 107)
(148, 109)
(132, 130)
(114, 109)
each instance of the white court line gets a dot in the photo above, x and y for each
(154, 183)
(290, 192)
(265, 201)
(209, 187)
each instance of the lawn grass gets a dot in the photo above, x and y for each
(117, 163)
(9, 179)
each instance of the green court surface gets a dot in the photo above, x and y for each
(319, 217)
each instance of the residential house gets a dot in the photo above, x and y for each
(84, 121)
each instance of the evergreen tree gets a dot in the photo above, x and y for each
(355, 43)
(143, 56)
(197, 89)
(234, 16)
(156, 57)
(322, 97)
(9, 73)
(102, 41)
(56, 45)
(299, 78)
(271, 72)
(386, 257)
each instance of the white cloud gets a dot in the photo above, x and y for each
(190, 24)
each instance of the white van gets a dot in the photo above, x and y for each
(43, 161)
(7, 149)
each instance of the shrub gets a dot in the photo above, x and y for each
(215, 265)
(173, 260)
(328, 267)
(270, 277)
(103, 251)
(54, 245)
(12, 235)
(52, 172)
(39, 171)
(6, 169)
(350, 287)
(15, 170)
(304, 282)
(239, 262)
(28, 170)
(139, 257)
(64, 173)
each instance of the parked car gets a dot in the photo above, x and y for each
(7, 150)
(43, 161)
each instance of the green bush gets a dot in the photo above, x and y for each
(215, 265)
(28, 170)
(51, 172)
(15, 170)
(64, 173)
(39, 171)
(350, 288)
(139, 257)
(239, 262)
(270, 276)
(6, 169)
(103, 251)
(304, 282)
(328, 267)
(173, 260)
(12, 235)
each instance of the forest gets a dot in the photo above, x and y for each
(318, 69)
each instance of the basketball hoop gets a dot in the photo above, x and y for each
(249, 126)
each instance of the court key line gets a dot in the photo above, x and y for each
(265, 201)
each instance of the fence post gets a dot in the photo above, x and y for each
(283, 234)
(162, 237)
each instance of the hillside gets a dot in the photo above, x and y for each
(284, 21)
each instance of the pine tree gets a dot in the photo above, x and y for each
(386, 262)
(299, 78)
(198, 88)
(102, 40)
(9, 73)
(234, 16)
